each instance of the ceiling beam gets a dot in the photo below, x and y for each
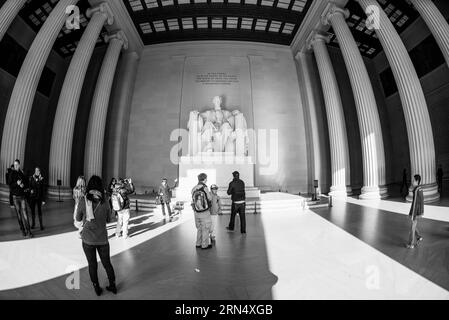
(217, 34)
(218, 10)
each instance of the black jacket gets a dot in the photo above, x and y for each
(36, 188)
(164, 193)
(125, 192)
(237, 190)
(15, 176)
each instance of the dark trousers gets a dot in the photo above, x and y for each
(404, 186)
(240, 209)
(91, 254)
(166, 204)
(11, 198)
(33, 204)
(440, 185)
(22, 215)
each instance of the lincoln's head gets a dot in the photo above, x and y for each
(217, 102)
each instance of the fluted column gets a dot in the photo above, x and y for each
(335, 117)
(64, 123)
(436, 23)
(419, 127)
(21, 101)
(368, 116)
(97, 119)
(8, 12)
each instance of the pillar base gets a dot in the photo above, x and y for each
(383, 190)
(339, 192)
(53, 194)
(430, 191)
(370, 193)
(4, 193)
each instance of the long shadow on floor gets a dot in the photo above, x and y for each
(388, 232)
(170, 267)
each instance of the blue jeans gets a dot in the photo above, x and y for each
(22, 215)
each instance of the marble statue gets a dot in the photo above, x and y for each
(217, 130)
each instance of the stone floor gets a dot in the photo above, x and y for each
(354, 250)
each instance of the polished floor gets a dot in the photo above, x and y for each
(350, 251)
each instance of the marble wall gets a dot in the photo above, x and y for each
(264, 86)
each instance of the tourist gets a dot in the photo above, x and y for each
(8, 172)
(79, 193)
(215, 207)
(416, 211)
(440, 179)
(18, 183)
(201, 207)
(164, 196)
(36, 197)
(121, 204)
(236, 190)
(404, 185)
(110, 191)
(95, 211)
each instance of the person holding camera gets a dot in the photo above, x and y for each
(36, 197)
(17, 182)
(121, 204)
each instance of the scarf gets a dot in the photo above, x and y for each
(89, 207)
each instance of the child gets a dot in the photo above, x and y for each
(78, 194)
(215, 207)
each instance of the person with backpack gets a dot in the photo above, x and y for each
(236, 190)
(121, 205)
(201, 204)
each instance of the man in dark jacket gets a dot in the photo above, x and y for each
(416, 211)
(164, 194)
(18, 183)
(236, 190)
(36, 197)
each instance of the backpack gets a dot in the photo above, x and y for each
(117, 201)
(200, 202)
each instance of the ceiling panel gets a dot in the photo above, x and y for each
(271, 21)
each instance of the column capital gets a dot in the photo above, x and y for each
(332, 9)
(315, 36)
(118, 35)
(104, 9)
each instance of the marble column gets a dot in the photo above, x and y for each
(116, 136)
(8, 12)
(22, 97)
(436, 23)
(335, 118)
(373, 155)
(64, 123)
(97, 119)
(417, 119)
